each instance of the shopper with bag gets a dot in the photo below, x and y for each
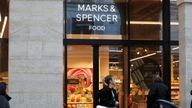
(107, 95)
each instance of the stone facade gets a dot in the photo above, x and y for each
(36, 53)
(185, 51)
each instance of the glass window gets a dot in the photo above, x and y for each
(146, 20)
(145, 62)
(175, 74)
(174, 20)
(4, 34)
(79, 76)
(3, 60)
(95, 19)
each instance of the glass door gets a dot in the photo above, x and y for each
(86, 68)
(111, 62)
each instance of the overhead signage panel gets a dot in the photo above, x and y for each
(94, 18)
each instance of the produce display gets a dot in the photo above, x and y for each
(79, 88)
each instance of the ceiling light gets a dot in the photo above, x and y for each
(174, 23)
(146, 22)
(175, 48)
(3, 28)
(5, 78)
(115, 50)
(150, 22)
(148, 55)
(158, 51)
(176, 61)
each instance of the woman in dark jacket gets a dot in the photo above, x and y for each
(4, 98)
(157, 91)
(107, 95)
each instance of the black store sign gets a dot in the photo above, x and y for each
(94, 18)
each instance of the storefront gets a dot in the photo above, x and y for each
(128, 40)
(60, 51)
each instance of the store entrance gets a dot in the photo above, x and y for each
(131, 66)
(87, 66)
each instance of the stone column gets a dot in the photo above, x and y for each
(36, 53)
(185, 51)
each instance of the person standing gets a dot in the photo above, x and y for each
(107, 95)
(4, 98)
(158, 90)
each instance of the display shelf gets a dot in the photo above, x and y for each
(80, 105)
(120, 70)
(174, 87)
(80, 102)
(175, 92)
(174, 83)
(175, 99)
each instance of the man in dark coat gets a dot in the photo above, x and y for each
(158, 90)
(107, 95)
(4, 98)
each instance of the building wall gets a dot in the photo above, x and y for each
(185, 51)
(36, 53)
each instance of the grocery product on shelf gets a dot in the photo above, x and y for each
(175, 92)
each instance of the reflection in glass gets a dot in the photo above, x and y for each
(111, 63)
(146, 20)
(174, 20)
(79, 77)
(175, 74)
(145, 62)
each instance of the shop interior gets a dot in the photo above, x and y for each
(145, 60)
(111, 59)
(144, 63)
(4, 34)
